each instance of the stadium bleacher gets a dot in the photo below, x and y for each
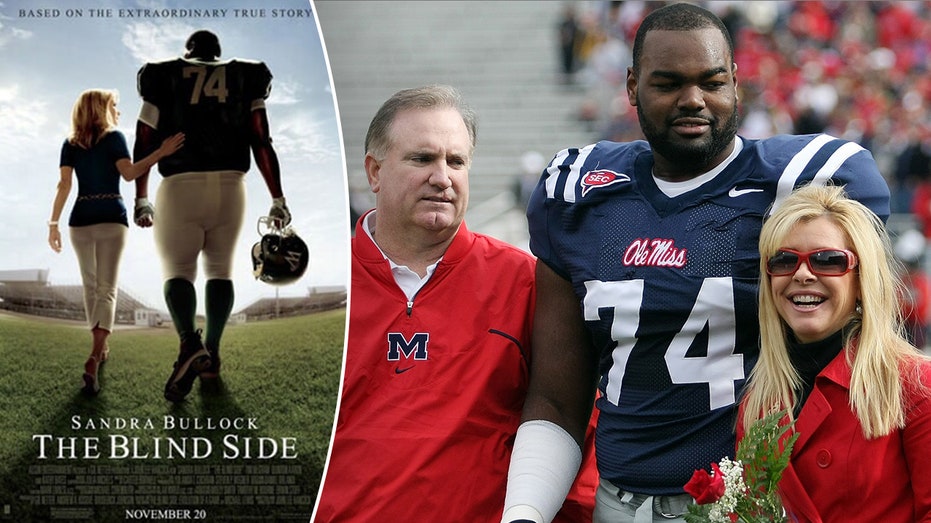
(502, 57)
(29, 292)
(271, 308)
(39, 297)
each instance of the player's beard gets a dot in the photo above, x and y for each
(699, 153)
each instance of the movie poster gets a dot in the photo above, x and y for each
(253, 446)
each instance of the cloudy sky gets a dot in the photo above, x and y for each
(49, 55)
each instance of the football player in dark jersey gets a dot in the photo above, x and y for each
(647, 278)
(199, 209)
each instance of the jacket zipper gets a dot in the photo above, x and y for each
(410, 302)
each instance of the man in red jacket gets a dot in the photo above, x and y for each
(437, 358)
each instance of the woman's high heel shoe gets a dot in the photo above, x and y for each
(91, 374)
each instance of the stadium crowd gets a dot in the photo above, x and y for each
(856, 70)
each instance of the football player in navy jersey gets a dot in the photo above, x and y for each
(220, 106)
(647, 277)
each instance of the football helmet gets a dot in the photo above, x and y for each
(281, 256)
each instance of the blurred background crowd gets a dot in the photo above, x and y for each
(856, 70)
(547, 75)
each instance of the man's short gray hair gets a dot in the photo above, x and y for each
(378, 138)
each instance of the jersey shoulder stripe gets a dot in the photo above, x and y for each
(778, 164)
(563, 176)
(825, 159)
(810, 165)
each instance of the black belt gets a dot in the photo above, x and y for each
(104, 196)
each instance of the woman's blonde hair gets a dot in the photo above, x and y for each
(876, 326)
(91, 118)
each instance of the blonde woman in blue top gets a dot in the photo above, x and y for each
(97, 155)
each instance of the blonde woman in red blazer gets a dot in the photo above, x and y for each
(833, 353)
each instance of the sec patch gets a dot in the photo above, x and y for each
(601, 178)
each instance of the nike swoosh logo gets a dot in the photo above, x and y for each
(399, 370)
(735, 192)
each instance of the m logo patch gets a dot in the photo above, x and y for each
(416, 346)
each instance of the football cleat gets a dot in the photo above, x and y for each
(213, 371)
(193, 358)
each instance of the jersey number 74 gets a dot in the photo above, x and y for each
(212, 85)
(713, 306)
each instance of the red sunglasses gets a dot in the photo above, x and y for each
(823, 262)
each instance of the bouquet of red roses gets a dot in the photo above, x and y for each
(745, 490)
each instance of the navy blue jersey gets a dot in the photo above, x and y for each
(668, 288)
(98, 199)
(211, 102)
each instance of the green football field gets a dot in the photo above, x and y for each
(254, 449)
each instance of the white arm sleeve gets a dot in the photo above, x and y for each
(544, 463)
(148, 114)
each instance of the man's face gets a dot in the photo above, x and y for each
(423, 180)
(686, 96)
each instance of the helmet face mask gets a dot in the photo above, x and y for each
(280, 257)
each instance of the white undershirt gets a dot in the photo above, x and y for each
(409, 281)
(673, 189)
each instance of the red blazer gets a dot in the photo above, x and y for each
(837, 475)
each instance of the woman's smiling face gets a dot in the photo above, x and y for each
(815, 306)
